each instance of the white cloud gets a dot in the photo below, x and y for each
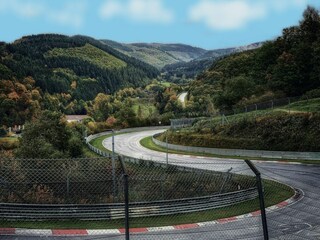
(281, 5)
(71, 14)
(137, 10)
(111, 9)
(235, 14)
(226, 15)
(27, 9)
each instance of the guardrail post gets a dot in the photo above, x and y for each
(261, 198)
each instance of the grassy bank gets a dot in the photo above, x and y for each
(280, 132)
(274, 193)
(148, 143)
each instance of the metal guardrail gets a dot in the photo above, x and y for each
(136, 160)
(11, 211)
(241, 152)
(16, 211)
(126, 130)
(109, 211)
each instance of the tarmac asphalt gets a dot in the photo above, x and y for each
(300, 220)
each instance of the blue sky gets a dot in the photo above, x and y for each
(209, 24)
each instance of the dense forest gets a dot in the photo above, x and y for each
(81, 75)
(287, 66)
(52, 71)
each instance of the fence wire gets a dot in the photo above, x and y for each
(180, 200)
(225, 116)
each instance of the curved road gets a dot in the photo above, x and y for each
(182, 98)
(298, 221)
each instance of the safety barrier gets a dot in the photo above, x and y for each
(116, 211)
(241, 152)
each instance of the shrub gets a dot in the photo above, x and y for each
(3, 132)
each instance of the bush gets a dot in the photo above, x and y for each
(315, 93)
(3, 132)
(281, 132)
(8, 144)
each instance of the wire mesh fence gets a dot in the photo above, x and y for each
(58, 181)
(201, 197)
(225, 116)
(83, 193)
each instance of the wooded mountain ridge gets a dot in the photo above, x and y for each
(176, 59)
(288, 66)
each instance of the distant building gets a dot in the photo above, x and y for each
(76, 118)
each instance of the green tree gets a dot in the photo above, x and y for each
(49, 137)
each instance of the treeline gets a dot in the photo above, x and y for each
(177, 72)
(32, 79)
(287, 66)
(26, 57)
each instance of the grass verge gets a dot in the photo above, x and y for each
(97, 142)
(148, 143)
(274, 193)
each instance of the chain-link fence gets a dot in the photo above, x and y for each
(165, 201)
(224, 116)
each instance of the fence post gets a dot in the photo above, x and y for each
(126, 197)
(113, 169)
(226, 178)
(261, 198)
(126, 201)
(167, 153)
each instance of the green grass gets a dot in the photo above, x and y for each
(9, 140)
(148, 143)
(97, 142)
(147, 108)
(165, 84)
(88, 153)
(90, 54)
(9, 143)
(312, 105)
(274, 193)
(153, 56)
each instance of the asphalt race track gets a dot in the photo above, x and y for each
(300, 220)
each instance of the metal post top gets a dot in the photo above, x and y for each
(253, 167)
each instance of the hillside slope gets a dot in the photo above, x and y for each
(157, 54)
(62, 64)
(286, 67)
(192, 68)
(274, 132)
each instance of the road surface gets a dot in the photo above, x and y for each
(298, 221)
(182, 98)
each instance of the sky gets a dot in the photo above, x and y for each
(209, 24)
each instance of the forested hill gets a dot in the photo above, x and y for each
(158, 54)
(71, 65)
(189, 70)
(287, 66)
